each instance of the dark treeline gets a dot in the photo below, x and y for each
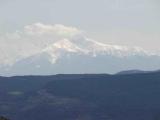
(3, 118)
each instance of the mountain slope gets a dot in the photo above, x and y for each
(82, 97)
(86, 55)
(43, 49)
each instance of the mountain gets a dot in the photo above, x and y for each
(135, 72)
(82, 55)
(132, 72)
(81, 97)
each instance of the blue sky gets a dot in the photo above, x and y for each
(123, 22)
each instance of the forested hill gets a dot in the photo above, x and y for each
(81, 97)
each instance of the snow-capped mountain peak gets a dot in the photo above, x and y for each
(61, 48)
(85, 46)
(87, 56)
(95, 47)
(50, 49)
(64, 44)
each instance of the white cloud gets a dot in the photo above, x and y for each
(57, 29)
(32, 39)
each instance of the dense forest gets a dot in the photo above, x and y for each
(131, 96)
(3, 118)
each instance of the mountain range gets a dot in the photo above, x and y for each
(82, 55)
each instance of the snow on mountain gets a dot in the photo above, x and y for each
(95, 47)
(83, 55)
(55, 40)
(73, 54)
(85, 46)
(61, 48)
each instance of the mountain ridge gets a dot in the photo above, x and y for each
(88, 97)
(86, 55)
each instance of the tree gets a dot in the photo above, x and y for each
(3, 118)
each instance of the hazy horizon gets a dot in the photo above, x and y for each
(102, 36)
(121, 22)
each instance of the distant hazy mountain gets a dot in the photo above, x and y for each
(81, 97)
(132, 72)
(83, 55)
